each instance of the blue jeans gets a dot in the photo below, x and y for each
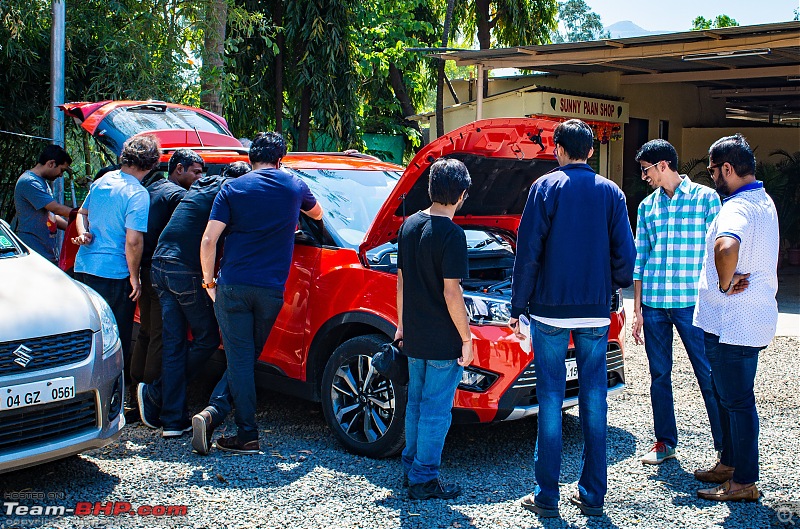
(658, 346)
(431, 389)
(733, 371)
(184, 305)
(550, 350)
(246, 315)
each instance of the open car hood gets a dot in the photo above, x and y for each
(504, 157)
(175, 126)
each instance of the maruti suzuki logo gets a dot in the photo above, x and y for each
(23, 357)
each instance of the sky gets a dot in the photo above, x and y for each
(677, 15)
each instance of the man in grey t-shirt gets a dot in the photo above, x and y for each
(39, 215)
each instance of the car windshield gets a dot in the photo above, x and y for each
(124, 122)
(9, 246)
(350, 198)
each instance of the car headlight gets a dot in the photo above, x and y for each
(108, 324)
(485, 310)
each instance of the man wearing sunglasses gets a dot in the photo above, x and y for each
(671, 229)
(736, 308)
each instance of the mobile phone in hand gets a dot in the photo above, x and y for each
(525, 329)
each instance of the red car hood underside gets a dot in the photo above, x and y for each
(504, 157)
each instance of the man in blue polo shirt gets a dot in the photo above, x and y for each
(259, 211)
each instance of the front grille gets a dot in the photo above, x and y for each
(45, 352)
(47, 422)
(526, 382)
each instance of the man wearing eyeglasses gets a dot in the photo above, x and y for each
(736, 308)
(671, 229)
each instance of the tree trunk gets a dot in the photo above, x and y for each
(484, 35)
(400, 92)
(448, 17)
(305, 119)
(280, 41)
(213, 55)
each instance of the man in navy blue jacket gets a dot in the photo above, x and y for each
(574, 248)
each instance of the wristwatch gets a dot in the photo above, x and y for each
(725, 290)
(210, 284)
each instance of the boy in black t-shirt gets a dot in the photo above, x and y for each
(433, 324)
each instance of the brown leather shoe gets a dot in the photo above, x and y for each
(719, 473)
(723, 493)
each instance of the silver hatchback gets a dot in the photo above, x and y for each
(61, 382)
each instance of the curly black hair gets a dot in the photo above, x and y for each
(141, 152)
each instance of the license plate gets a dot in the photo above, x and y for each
(33, 393)
(572, 369)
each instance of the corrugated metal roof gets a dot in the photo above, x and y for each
(713, 35)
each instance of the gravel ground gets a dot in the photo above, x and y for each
(304, 479)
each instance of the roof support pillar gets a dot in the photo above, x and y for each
(479, 97)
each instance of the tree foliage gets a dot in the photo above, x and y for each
(721, 21)
(319, 69)
(123, 49)
(505, 22)
(394, 82)
(578, 23)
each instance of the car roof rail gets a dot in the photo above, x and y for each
(350, 152)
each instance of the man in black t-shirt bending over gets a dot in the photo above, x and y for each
(433, 324)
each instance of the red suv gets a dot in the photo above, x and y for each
(339, 305)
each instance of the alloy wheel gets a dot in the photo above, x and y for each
(363, 400)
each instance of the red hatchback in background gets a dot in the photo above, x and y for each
(339, 304)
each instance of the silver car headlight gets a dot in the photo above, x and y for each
(485, 310)
(108, 324)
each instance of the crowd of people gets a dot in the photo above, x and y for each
(705, 266)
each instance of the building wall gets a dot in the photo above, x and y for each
(763, 140)
(684, 106)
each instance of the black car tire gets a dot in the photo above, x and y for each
(368, 419)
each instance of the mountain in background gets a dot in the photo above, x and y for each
(626, 28)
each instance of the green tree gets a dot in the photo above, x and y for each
(505, 23)
(253, 75)
(579, 23)
(394, 82)
(212, 73)
(323, 67)
(126, 49)
(721, 21)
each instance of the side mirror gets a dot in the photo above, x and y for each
(303, 237)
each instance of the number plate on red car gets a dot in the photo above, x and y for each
(572, 369)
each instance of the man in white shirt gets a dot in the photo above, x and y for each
(737, 311)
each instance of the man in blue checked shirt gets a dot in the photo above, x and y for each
(670, 243)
